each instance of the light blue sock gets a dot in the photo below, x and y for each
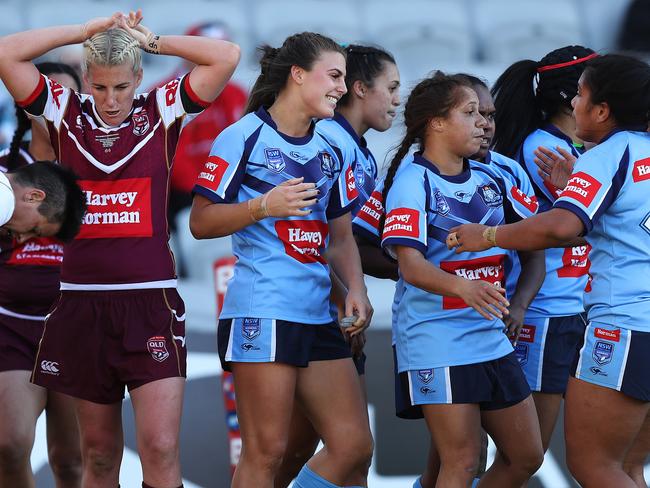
(475, 482)
(418, 482)
(308, 479)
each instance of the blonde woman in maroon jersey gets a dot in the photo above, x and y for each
(119, 320)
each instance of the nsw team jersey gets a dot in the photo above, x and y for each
(567, 269)
(29, 271)
(355, 150)
(423, 205)
(609, 191)
(124, 172)
(512, 170)
(281, 271)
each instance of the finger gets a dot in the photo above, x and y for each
(455, 229)
(299, 213)
(565, 154)
(292, 181)
(306, 203)
(547, 153)
(541, 163)
(543, 175)
(302, 187)
(483, 313)
(493, 311)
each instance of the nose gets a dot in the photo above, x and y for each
(481, 122)
(111, 99)
(342, 89)
(397, 101)
(573, 102)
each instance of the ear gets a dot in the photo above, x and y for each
(602, 112)
(359, 88)
(437, 124)
(34, 195)
(298, 74)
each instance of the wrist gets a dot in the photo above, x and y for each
(490, 235)
(152, 44)
(255, 209)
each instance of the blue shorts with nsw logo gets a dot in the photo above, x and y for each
(494, 384)
(615, 358)
(257, 340)
(546, 350)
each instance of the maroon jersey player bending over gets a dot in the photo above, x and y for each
(119, 320)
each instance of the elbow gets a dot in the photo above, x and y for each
(564, 232)
(197, 229)
(232, 55)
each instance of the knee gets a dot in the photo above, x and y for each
(15, 449)
(101, 456)
(527, 460)
(266, 455)
(160, 448)
(65, 465)
(355, 450)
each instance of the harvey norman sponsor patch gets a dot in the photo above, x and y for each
(118, 208)
(212, 173)
(39, 251)
(582, 188)
(303, 240)
(489, 268)
(402, 222)
(372, 210)
(641, 170)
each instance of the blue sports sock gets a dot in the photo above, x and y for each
(308, 479)
(475, 482)
(418, 482)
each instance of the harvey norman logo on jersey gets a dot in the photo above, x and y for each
(582, 187)
(488, 268)
(304, 240)
(118, 208)
(372, 210)
(641, 170)
(402, 222)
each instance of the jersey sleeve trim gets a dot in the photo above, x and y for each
(400, 241)
(333, 213)
(210, 195)
(578, 212)
(366, 235)
(192, 103)
(36, 100)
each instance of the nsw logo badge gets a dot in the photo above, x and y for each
(250, 328)
(603, 352)
(274, 160)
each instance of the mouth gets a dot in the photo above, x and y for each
(332, 99)
(112, 113)
(391, 114)
(485, 141)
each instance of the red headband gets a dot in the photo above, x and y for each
(568, 63)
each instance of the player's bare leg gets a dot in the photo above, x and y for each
(265, 397)
(20, 405)
(63, 444)
(333, 399)
(608, 422)
(102, 442)
(158, 407)
(515, 431)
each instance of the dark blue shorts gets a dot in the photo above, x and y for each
(493, 385)
(256, 340)
(546, 350)
(615, 358)
(403, 407)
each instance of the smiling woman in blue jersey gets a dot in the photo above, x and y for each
(285, 192)
(452, 354)
(606, 201)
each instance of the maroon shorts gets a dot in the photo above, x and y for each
(18, 342)
(97, 342)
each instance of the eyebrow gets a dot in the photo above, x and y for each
(336, 70)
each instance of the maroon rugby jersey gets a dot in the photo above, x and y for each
(29, 272)
(124, 171)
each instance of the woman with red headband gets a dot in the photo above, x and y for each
(533, 109)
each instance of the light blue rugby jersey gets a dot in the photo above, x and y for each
(609, 192)
(366, 224)
(567, 269)
(355, 150)
(511, 169)
(434, 330)
(281, 272)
